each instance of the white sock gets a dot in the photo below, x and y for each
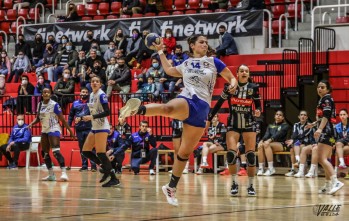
(261, 165)
(328, 183)
(50, 172)
(298, 158)
(233, 176)
(204, 159)
(250, 181)
(64, 169)
(187, 165)
(312, 169)
(335, 169)
(334, 178)
(271, 165)
(341, 161)
(292, 167)
(301, 168)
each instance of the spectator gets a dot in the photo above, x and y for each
(120, 79)
(22, 64)
(111, 67)
(64, 42)
(72, 14)
(144, 52)
(93, 57)
(133, 47)
(64, 89)
(20, 139)
(169, 41)
(179, 57)
(109, 53)
(140, 143)
(227, 44)
(152, 6)
(80, 68)
(5, 63)
(118, 54)
(273, 141)
(120, 41)
(168, 56)
(51, 39)
(248, 5)
(41, 84)
(218, 4)
(25, 90)
(48, 62)
(95, 47)
(156, 71)
(65, 60)
(38, 50)
(342, 142)
(23, 46)
(86, 45)
(97, 70)
(130, 7)
(148, 92)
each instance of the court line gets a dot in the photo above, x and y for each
(84, 214)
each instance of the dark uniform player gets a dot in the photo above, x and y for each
(241, 121)
(177, 128)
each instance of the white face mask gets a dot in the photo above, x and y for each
(24, 82)
(20, 122)
(66, 75)
(168, 35)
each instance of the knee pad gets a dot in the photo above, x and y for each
(181, 159)
(46, 156)
(231, 157)
(251, 159)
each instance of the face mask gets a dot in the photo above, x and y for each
(38, 39)
(81, 58)
(168, 35)
(40, 81)
(71, 7)
(121, 65)
(20, 122)
(68, 47)
(90, 36)
(84, 97)
(64, 41)
(21, 40)
(178, 54)
(49, 48)
(94, 47)
(134, 35)
(97, 67)
(21, 56)
(51, 41)
(66, 76)
(120, 35)
(155, 65)
(24, 82)
(111, 47)
(3, 55)
(221, 33)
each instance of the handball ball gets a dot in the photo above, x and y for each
(152, 37)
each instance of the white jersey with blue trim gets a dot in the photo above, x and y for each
(49, 117)
(199, 76)
(95, 106)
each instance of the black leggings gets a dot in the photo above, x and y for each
(48, 142)
(16, 148)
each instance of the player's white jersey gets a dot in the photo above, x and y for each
(95, 106)
(199, 76)
(49, 117)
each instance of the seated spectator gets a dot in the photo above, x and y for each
(51, 39)
(149, 91)
(111, 67)
(22, 64)
(41, 84)
(64, 42)
(93, 57)
(133, 47)
(109, 53)
(144, 52)
(153, 6)
(48, 62)
(118, 54)
(216, 142)
(156, 71)
(310, 149)
(25, 91)
(96, 70)
(95, 47)
(120, 41)
(248, 5)
(130, 7)
(218, 4)
(179, 57)
(80, 68)
(64, 60)
(169, 41)
(170, 84)
(20, 139)
(72, 14)
(64, 89)
(164, 49)
(140, 143)
(342, 143)
(120, 80)
(86, 45)
(38, 51)
(22, 46)
(5, 63)
(227, 44)
(272, 141)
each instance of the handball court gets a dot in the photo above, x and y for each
(201, 197)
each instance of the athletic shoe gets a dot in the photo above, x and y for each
(310, 175)
(83, 169)
(324, 189)
(340, 166)
(104, 177)
(242, 172)
(335, 187)
(170, 194)
(200, 171)
(112, 183)
(49, 178)
(291, 173)
(130, 108)
(12, 166)
(234, 189)
(151, 172)
(299, 175)
(251, 191)
(185, 171)
(224, 172)
(204, 165)
(64, 177)
(260, 172)
(269, 172)
(170, 171)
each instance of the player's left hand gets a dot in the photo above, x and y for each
(87, 118)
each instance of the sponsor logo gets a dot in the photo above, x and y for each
(239, 101)
(326, 210)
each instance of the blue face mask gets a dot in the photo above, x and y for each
(68, 47)
(155, 65)
(64, 41)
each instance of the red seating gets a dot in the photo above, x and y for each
(149, 14)
(11, 15)
(221, 10)
(112, 17)
(177, 13)
(194, 4)
(164, 13)
(86, 18)
(8, 4)
(234, 2)
(91, 9)
(275, 27)
(103, 8)
(49, 4)
(291, 9)
(98, 17)
(278, 10)
(205, 3)
(12, 87)
(14, 27)
(342, 19)
(205, 11)
(137, 15)
(32, 14)
(23, 12)
(2, 15)
(125, 16)
(80, 9)
(180, 4)
(5, 26)
(167, 5)
(115, 7)
(190, 12)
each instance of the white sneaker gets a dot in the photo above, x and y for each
(200, 171)
(335, 187)
(269, 172)
(130, 108)
(299, 175)
(64, 177)
(151, 172)
(185, 171)
(324, 189)
(204, 165)
(49, 178)
(310, 175)
(260, 172)
(170, 171)
(291, 173)
(170, 194)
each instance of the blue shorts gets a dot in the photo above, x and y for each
(100, 131)
(198, 111)
(53, 134)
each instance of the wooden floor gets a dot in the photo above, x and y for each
(201, 197)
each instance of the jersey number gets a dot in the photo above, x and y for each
(197, 65)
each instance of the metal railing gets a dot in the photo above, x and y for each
(36, 11)
(280, 29)
(324, 18)
(324, 40)
(296, 14)
(290, 65)
(270, 38)
(19, 26)
(306, 56)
